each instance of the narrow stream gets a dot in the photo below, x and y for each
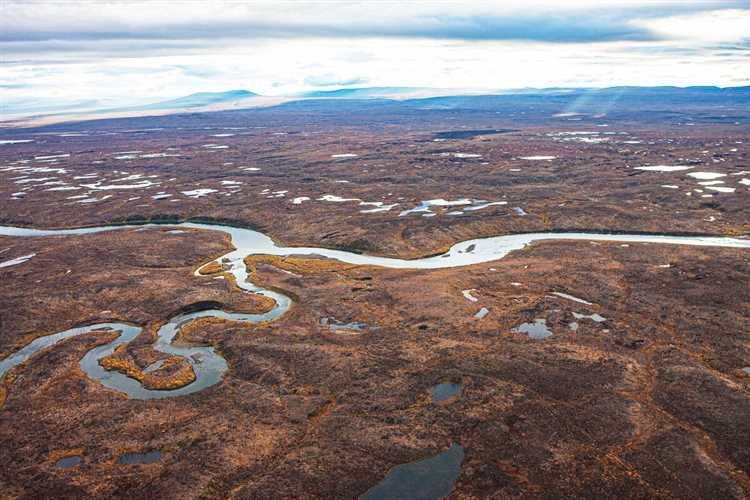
(208, 366)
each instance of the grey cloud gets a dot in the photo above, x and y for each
(598, 24)
(538, 27)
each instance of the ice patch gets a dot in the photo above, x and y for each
(482, 313)
(594, 317)
(438, 202)
(468, 296)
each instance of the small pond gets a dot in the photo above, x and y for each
(444, 391)
(134, 458)
(428, 479)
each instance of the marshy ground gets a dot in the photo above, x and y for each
(651, 401)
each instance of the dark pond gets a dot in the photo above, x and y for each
(149, 457)
(427, 479)
(444, 391)
(68, 462)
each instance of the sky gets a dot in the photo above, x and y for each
(133, 52)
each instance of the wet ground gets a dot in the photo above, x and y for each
(648, 402)
(652, 395)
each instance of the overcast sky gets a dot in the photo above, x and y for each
(131, 52)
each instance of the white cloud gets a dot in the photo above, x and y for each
(731, 25)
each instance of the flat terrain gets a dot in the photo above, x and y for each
(641, 390)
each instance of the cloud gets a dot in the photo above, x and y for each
(538, 20)
(715, 26)
(128, 52)
(333, 80)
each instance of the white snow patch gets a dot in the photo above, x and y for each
(383, 208)
(573, 298)
(51, 157)
(484, 205)
(17, 260)
(706, 175)
(720, 189)
(92, 200)
(330, 197)
(15, 141)
(139, 185)
(196, 193)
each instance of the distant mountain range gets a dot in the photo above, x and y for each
(379, 93)
(592, 100)
(421, 92)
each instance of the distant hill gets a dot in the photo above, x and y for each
(201, 99)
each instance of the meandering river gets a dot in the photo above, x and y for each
(208, 365)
